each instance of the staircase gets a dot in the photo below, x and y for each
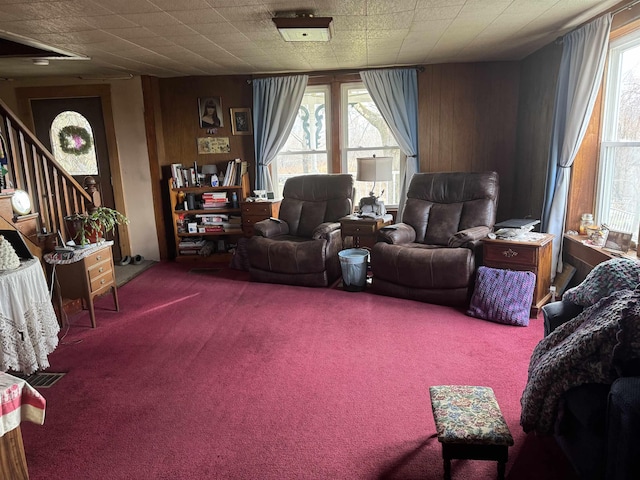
(54, 193)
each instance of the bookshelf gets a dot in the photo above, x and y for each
(206, 220)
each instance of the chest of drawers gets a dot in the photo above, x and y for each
(88, 278)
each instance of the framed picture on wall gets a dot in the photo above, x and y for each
(241, 121)
(210, 111)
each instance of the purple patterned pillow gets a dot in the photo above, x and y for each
(503, 296)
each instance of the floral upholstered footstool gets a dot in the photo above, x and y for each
(470, 425)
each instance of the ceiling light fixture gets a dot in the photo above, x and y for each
(304, 27)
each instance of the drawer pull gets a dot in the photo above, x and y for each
(509, 253)
(101, 270)
(99, 257)
(102, 281)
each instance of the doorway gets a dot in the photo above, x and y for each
(92, 105)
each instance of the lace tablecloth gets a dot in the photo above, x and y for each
(19, 402)
(28, 324)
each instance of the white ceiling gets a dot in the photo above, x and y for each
(168, 38)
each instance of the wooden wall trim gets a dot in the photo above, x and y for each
(155, 146)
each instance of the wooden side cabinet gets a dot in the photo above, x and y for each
(88, 278)
(363, 230)
(532, 256)
(253, 212)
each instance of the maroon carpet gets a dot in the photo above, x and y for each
(209, 376)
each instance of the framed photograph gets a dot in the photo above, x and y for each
(210, 112)
(241, 121)
(619, 241)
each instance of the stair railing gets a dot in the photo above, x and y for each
(54, 193)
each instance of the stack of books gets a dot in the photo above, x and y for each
(191, 246)
(214, 200)
(211, 223)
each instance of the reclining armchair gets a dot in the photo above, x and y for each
(301, 247)
(431, 255)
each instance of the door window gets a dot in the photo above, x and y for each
(73, 144)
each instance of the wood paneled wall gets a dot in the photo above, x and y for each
(180, 119)
(467, 121)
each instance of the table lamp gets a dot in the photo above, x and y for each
(211, 172)
(373, 169)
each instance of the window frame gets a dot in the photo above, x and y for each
(336, 125)
(608, 141)
(322, 87)
(344, 137)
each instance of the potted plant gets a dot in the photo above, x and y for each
(86, 228)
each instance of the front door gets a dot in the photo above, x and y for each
(84, 114)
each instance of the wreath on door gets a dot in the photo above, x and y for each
(74, 140)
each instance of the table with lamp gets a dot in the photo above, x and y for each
(372, 215)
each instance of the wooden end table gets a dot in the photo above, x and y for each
(364, 230)
(533, 256)
(253, 212)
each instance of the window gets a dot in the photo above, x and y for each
(366, 134)
(307, 148)
(618, 197)
(73, 144)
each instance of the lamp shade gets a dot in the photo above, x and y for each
(374, 169)
(209, 169)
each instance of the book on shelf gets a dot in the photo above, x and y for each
(208, 217)
(214, 195)
(191, 242)
(215, 205)
(238, 174)
(176, 175)
(244, 169)
(218, 222)
(190, 251)
(186, 176)
(227, 174)
(210, 228)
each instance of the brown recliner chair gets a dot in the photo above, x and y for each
(431, 255)
(301, 248)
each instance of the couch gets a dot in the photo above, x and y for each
(595, 409)
(432, 254)
(301, 247)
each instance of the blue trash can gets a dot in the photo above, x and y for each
(353, 262)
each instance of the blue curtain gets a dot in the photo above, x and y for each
(275, 106)
(395, 93)
(583, 58)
